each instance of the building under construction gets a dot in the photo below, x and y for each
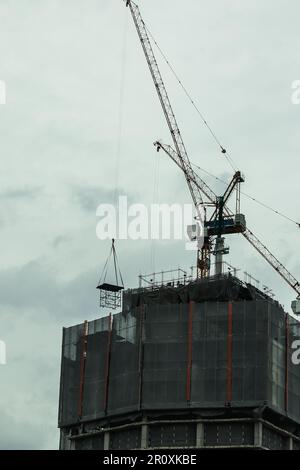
(206, 364)
(202, 362)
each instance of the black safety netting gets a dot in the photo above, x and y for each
(293, 375)
(96, 369)
(182, 355)
(209, 353)
(277, 379)
(165, 356)
(249, 351)
(70, 374)
(124, 376)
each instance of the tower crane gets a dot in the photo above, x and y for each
(203, 258)
(247, 233)
(222, 221)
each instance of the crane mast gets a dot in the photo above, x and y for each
(221, 222)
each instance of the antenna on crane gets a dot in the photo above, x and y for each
(111, 294)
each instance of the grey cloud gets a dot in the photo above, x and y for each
(61, 127)
(21, 194)
(15, 434)
(33, 286)
(60, 240)
(89, 197)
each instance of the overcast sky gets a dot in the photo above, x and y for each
(78, 128)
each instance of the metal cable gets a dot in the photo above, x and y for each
(116, 266)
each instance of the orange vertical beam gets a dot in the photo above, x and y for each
(189, 352)
(107, 363)
(229, 354)
(141, 354)
(82, 367)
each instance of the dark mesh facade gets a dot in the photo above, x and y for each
(167, 353)
(70, 374)
(165, 356)
(124, 376)
(293, 369)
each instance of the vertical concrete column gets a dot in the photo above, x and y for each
(258, 431)
(200, 435)
(106, 441)
(144, 436)
(290, 443)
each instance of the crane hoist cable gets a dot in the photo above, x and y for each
(119, 130)
(192, 101)
(250, 197)
(117, 271)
